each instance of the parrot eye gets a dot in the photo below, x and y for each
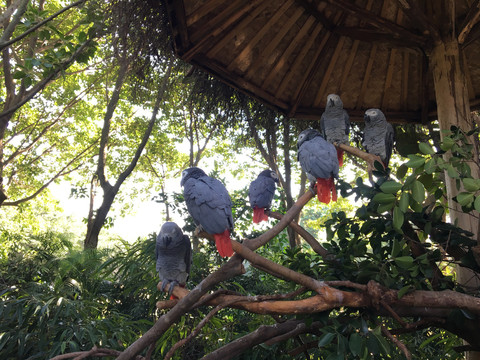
(184, 173)
(301, 137)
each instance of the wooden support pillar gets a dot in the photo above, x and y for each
(453, 108)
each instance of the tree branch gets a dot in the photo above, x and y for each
(4, 44)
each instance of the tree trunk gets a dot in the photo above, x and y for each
(453, 108)
(94, 227)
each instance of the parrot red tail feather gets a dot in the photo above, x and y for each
(173, 297)
(340, 157)
(326, 190)
(259, 215)
(224, 244)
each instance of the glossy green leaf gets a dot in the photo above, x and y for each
(447, 143)
(415, 161)
(404, 200)
(390, 187)
(398, 218)
(426, 148)
(326, 339)
(385, 207)
(471, 184)
(402, 171)
(430, 166)
(405, 262)
(476, 204)
(382, 198)
(355, 343)
(418, 191)
(465, 198)
(405, 290)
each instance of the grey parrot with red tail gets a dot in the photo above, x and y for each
(260, 194)
(210, 206)
(174, 256)
(318, 158)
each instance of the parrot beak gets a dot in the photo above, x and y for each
(332, 103)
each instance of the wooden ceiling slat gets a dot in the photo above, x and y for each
(239, 83)
(269, 49)
(206, 31)
(411, 9)
(328, 73)
(258, 36)
(391, 65)
(348, 66)
(366, 77)
(309, 74)
(201, 11)
(298, 60)
(228, 37)
(405, 67)
(377, 21)
(288, 51)
(207, 41)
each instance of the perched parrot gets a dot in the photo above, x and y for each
(318, 158)
(378, 135)
(335, 123)
(174, 256)
(260, 194)
(210, 206)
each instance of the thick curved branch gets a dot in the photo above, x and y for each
(314, 244)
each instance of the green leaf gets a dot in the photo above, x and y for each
(429, 340)
(355, 343)
(426, 148)
(405, 262)
(396, 248)
(398, 218)
(447, 143)
(403, 203)
(402, 171)
(465, 198)
(476, 204)
(19, 74)
(405, 290)
(326, 339)
(429, 166)
(382, 198)
(385, 207)
(415, 161)
(471, 185)
(418, 191)
(390, 187)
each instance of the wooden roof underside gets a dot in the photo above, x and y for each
(290, 54)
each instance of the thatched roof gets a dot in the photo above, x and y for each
(290, 54)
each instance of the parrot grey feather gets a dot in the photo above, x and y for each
(262, 189)
(317, 157)
(335, 122)
(378, 135)
(174, 255)
(208, 201)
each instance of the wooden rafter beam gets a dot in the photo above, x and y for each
(472, 18)
(371, 35)
(312, 10)
(397, 31)
(411, 9)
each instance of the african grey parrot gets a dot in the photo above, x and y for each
(378, 135)
(260, 194)
(335, 123)
(174, 256)
(318, 158)
(210, 206)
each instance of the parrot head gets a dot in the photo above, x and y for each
(305, 135)
(193, 172)
(333, 100)
(374, 116)
(170, 235)
(269, 173)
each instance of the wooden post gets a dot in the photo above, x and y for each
(453, 108)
